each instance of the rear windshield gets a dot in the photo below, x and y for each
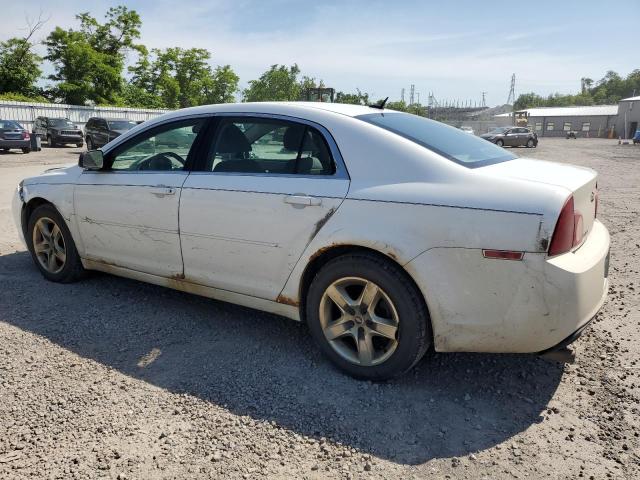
(121, 124)
(447, 141)
(10, 124)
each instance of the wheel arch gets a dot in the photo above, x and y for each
(29, 207)
(324, 255)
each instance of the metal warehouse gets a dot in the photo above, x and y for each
(628, 117)
(591, 121)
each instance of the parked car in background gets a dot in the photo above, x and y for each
(58, 131)
(387, 233)
(99, 131)
(636, 137)
(14, 136)
(467, 129)
(512, 137)
(572, 134)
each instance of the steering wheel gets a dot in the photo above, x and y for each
(144, 164)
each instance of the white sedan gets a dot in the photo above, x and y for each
(387, 233)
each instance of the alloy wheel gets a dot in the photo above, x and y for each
(359, 321)
(48, 245)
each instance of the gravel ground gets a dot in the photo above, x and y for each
(111, 378)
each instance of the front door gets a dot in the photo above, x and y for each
(264, 189)
(128, 212)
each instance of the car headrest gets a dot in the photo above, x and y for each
(232, 140)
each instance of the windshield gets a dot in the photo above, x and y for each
(61, 122)
(447, 141)
(121, 124)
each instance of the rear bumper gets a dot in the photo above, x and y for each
(15, 143)
(528, 306)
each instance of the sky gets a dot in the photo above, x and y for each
(455, 49)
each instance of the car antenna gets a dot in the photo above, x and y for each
(380, 104)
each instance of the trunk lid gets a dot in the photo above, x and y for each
(579, 181)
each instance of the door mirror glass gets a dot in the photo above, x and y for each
(91, 160)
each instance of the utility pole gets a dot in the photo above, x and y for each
(418, 94)
(511, 99)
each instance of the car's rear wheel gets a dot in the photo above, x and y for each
(368, 317)
(26, 150)
(52, 246)
(530, 143)
(500, 143)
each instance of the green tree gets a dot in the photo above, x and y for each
(178, 78)
(279, 83)
(19, 64)
(89, 61)
(357, 98)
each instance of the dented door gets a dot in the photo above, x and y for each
(245, 233)
(130, 219)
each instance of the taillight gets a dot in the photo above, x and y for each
(564, 234)
(25, 135)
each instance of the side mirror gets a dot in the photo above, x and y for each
(91, 160)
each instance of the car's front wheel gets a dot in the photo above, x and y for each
(52, 247)
(530, 143)
(368, 317)
(500, 143)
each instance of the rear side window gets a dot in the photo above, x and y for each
(450, 142)
(256, 145)
(9, 124)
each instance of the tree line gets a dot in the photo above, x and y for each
(609, 90)
(89, 68)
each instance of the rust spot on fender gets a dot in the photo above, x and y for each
(177, 276)
(287, 301)
(544, 244)
(322, 250)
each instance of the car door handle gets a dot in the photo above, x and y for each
(303, 200)
(163, 190)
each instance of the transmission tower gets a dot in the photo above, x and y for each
(484, 103)
(412, 93)
(512, 91)
(402, 95)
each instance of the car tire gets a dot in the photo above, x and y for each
(47, 235)
(89, 144)
(530, 143)
(26, 150)
(399, 311)
(500, 143)
(79, 145)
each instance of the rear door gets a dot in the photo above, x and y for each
(263, 189)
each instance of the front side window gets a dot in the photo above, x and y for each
(257, 145)
(447, 141)
(163, 148)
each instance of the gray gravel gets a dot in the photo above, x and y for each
(111, 378)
